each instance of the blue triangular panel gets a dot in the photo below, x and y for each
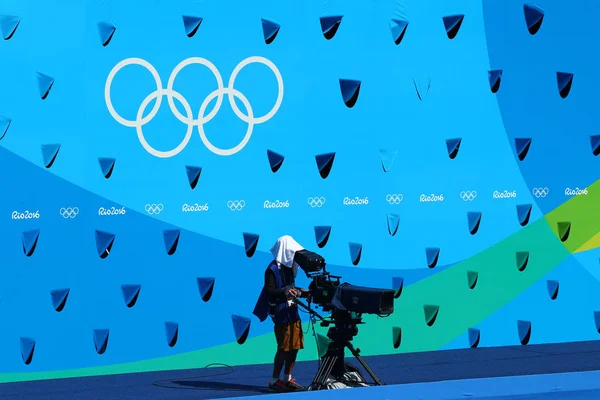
(474, 220)
(524, 213)
(595, 142)
(452, 24)
(49, 153)
(101, 340)
(534, 16)
(29, 239)
(172, 332)
(453, 145)
(474, 337)
(250, 243)
(397, 285)
(398, 29)
(330, 25)
(495, 76)
(9, 25)
(206, 287)
(350, 90)
(106, 30)
(241, 328)
(564, 80)
(275, 160)
(4, 125)
(522, 146)
(104, 242)
(45, 83)
(171, 240)
(355, 252)
(322, 234)
(107, 166)
(433, 255)
(131, 294)
(27, 348)
(597, 320)
(524, 329)
(387, 159)
(59, 298)
(191, 25)
(193, 175)
(270, 30)
(553, 287)
(393, 221)
(325, 163)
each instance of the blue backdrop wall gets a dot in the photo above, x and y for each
(152, 152)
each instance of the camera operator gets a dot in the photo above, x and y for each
(277, 298)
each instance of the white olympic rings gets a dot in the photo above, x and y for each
(468, 195)
(236, 205)
(154, 209)
(316, 202)
(69, 212)
(395, 198)
(188, 119)
(540, 192)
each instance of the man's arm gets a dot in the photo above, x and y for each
(271, 287)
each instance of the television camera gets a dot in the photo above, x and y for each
(346, 303)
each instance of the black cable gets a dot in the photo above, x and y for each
(159, 383)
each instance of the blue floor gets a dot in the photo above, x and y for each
(553, 372)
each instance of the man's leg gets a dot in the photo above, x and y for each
(280, 359)
(290, 361)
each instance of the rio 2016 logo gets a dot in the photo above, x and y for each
(25, 215)
(504, 195)
(431, 198)
(277, 204)
(576, 192)
(111, 211)
(194, 207)
(357, 201)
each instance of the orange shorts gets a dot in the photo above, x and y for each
(289, 336)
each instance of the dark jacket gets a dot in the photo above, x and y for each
(273, 301)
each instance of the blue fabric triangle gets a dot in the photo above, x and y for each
(191, 24)
(106, 166)
(322, 235)
(101, 340)
(4, 125)
(398, 28)
(171, 240)
(474, 336)
(552, 288)
(397, 285)
(59, 298)
(431, 313)
(595, 142)
(106, 31)
(241, 326)
(324, 161)
(597, 320)
(270, 30)
(275, 160)
(27, 348)
(29, 240)
(8, 25)
(393, 221)
(130, 294)
(349, 88)
(355, 252)
(205, 285)
(45, 83)
(533, 14)
(250, 242)
(474, 219)
(104, 241)
(523, 213)
(49, 153)
(451, 21)
(193, 174)
(327, 23)
(563, 79)
(387, 159)
(524, 329)
(432, 254)
(172, 332)
(522, 146)
(453, 145)
(494, 76)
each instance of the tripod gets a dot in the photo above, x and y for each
(333, 363)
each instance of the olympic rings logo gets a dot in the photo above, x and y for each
(316, 202)
(236, 205)
(468, 195)
(189, 119)
(540, 192)
(154, 209)
(69, 212)
(394, 198)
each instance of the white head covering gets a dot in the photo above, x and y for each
(284, 250)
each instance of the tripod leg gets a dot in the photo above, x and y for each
(362, 362)
(323, 373)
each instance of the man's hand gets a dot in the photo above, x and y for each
(291, 292)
